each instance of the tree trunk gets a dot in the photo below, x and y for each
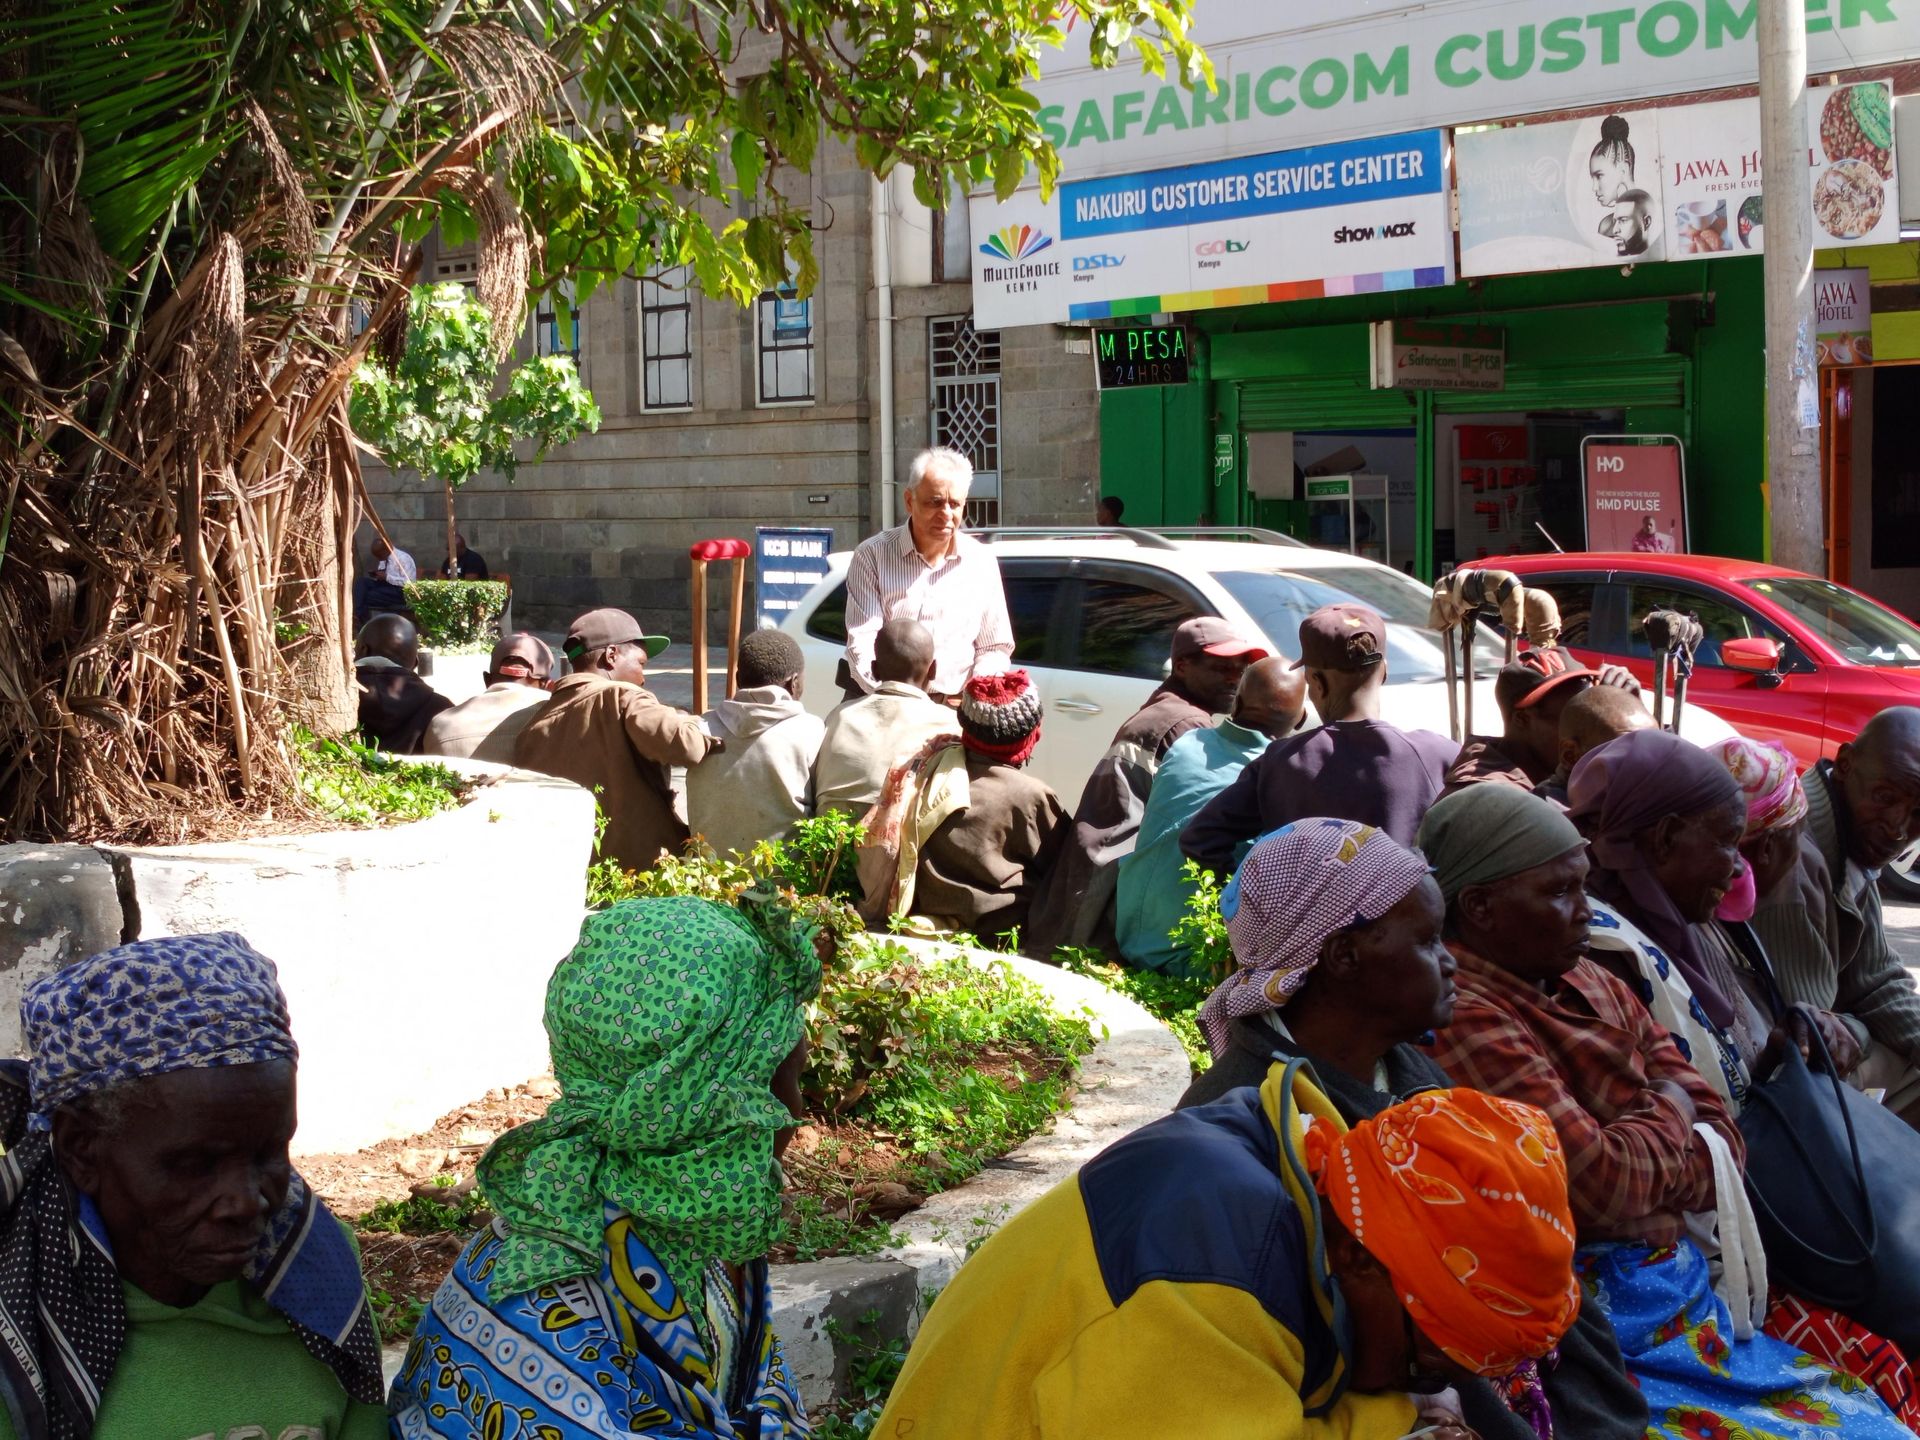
(453, 559)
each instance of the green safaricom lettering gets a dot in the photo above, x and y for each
(1389, 79)
(1166, 110)
(1210, 106)
(1498, 65)
(1686, 29)
(1443, 61)
(1560, 42)
(1610, 23)
(1726, 25)
(1127, 106)
(1242, 95)
(1050, 117)
(1089, 124)
(1323, 96)
(1263, 89)
(1855, 12)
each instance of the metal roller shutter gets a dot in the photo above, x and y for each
(1650, 381)
(1323, 402)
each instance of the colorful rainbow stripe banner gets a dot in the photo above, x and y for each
(1261, 294)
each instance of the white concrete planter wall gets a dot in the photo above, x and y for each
(415, 957)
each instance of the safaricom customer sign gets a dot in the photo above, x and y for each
(1364, 215)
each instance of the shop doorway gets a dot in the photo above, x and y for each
(1355, 491)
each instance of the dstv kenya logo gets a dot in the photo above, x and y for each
(1016, 242)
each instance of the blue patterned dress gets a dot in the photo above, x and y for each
(616, 1355)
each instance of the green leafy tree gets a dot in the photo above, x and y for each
(439, 412)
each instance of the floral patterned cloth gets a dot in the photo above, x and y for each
(619, 1353)
(1700, 1384)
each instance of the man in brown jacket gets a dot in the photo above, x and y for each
(603, 731)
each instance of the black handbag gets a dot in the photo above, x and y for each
(1834, 1178)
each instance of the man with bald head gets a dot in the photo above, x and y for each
(519, 675)
(1270, 703)
(1822, 925)
(1596, 715)
(868, 735)
(395, 703)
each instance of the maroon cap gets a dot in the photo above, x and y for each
(1342, 637)
(522, 656)
(1550, 668)
(1210, 635)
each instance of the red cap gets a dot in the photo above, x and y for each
(1556, 666)
(1210, 635)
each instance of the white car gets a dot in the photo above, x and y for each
(1094, 613)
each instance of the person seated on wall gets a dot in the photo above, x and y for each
(1532, 694)
(472, 564)
(1596, 715)
(962, 833)
(869, 734)
(1152, 891)
(621, 1288)
(761, 782)
(164, 1270)
(396, 705)
(1537, 1021)
(1256, 1267)
(487, 727)
(380, 591)
(1341, 963)
(1823, 925)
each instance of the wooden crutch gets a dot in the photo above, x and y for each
(703, 551)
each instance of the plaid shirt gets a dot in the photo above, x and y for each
(1584, 1049)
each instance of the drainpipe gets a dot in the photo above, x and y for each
(883, 284)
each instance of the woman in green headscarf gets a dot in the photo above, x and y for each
(623, 1287)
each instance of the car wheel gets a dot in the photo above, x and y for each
(1901, 879)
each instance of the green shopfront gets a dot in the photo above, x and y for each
(1668, 350)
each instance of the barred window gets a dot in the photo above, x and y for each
(666, 339)
(966, 405)
(556, 323)
(783, 342)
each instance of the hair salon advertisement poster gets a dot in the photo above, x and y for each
(1671, 183)
(1636, 496)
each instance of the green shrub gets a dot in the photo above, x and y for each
(1202, 931)
(1175, 1000)
(348, 782)
(454, 614)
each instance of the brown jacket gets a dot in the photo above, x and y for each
(620, 738)
(979, 869)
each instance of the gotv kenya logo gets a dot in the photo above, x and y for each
(1016, 242)
(1222, 247)
(1346, 234)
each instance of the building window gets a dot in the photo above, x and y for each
(666, 339)
(783, 342)
(966, 405)
(556, 323)
(953, 237)
(460, 263)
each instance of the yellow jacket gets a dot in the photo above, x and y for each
(1176, 1286)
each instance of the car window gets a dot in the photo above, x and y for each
(1850, 623)
(1279, 600)
(1128, 629)
(829, 618)
(1721, 619)
(1576, 600)
(1030, 609)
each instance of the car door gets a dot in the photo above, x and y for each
(1120, 620)
(1789, 708)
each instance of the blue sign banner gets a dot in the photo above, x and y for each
(787, 564)
(1353, 172)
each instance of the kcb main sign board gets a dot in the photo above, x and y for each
(1152, 355)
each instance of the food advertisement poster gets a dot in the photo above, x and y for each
(1843, 317)
(1668, 184)
(1636, 496)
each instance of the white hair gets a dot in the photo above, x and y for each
(946, 459)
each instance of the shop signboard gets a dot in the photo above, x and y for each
(1843, 317)
(1353, 218)
(787, 564)
(1636, 495)
(1143, 355)
(1313, 71)
(1672, 183)
(1409, 355)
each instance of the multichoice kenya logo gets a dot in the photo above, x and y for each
(1016, 242)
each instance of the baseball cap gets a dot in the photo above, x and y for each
(522, 656)
(1210, 635)
(1342, 637)
(1543, 670)
(598, 629)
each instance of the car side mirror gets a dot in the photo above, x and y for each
(1754, 654)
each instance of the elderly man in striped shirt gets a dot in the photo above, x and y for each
(927, 570)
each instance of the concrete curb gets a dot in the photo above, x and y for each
(1132, 1077)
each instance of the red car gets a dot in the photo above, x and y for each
(1787, 656)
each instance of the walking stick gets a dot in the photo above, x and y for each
(1673, 636)
(701, 552)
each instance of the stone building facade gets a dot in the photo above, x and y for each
(768, 416)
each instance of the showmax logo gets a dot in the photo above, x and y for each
(1016, 242)
(1098, 262)
(1347, 233)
